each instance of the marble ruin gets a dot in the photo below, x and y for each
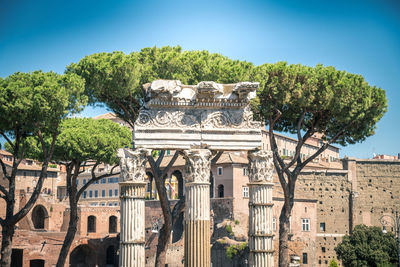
(198, 120)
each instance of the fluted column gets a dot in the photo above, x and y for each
(132, 195)
(260, 209)
(197, 208)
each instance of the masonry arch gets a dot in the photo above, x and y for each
(83, 256)
(179, 177)
(40, 218)
(112, 224)
(91, 224)
(111, 257)
(221, 190)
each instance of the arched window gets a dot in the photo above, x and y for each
(112, 224)
(39, 217)
(91, 224)
(221, 190)
(179, 178)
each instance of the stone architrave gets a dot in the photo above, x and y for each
(260, 209)
(197, 208)
(209, 114)
(132, 195)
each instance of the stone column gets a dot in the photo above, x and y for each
(260, 209)
(132, 195)
(197, 208)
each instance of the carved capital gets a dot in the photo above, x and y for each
(260, 166)
(133, 164)
(198, 165)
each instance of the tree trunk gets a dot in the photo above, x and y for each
(6, 245)
(69, 237)
(165, 231)
(284, 231)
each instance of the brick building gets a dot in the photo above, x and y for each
(332, 196)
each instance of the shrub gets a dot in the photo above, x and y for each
(228, 228)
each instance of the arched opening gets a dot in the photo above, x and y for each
(112, 224)
(179, 177)
(221, 190)
(91, 224)
(40, 217)
(110, 257)
(36, 263)
(150, 185)
(83, 256)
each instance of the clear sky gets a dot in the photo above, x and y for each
(361, 37)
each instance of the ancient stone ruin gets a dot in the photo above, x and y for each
(199, 120)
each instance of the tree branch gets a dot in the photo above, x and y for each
(216, 157)
(160, 158)
(4, 168)
(7, 139)
(170, 164)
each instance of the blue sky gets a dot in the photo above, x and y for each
(361, 37)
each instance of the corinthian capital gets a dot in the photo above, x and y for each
(198, 164)
(260, 166)
(133, 164)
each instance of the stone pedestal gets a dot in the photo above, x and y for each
(132, 195)
(197, 208)
(260, 209)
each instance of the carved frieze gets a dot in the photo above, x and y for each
(260, 166)
(133, 164)
(198, 164)
(212, 115)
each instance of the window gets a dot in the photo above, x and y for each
(77, 181)
(274, 224)
(322, 227)
(90, 193)
(221, 190)
(112, 224)
(305, 258)
(84, 194)
(168, 152)
(244, 171)
(305, 225)
(219, 170)
(96, 193)
(103, 180)
(110, 192)
(116, 192)
(96, 182)
(84, 181)
(323, 249)
(245, 192)
(91, 224)
(103, 193)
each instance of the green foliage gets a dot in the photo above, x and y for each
(233, 250)
(35, 101)
(86, 139)
(333, 263)
(367, 246)
(228, 228)
(335, 102)
(115, 79)
(237, 222)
